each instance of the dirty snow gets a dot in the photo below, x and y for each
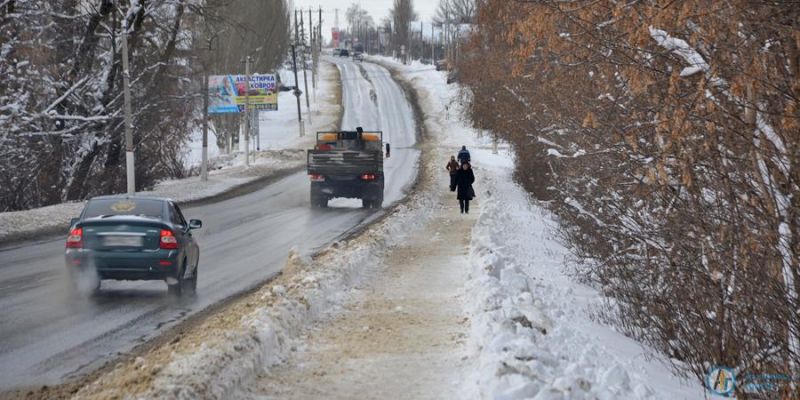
(311, 290)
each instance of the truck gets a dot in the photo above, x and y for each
(347, 164)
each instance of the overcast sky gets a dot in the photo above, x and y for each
(378, 9)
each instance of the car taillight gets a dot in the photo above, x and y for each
(168, 240)
(316, 177)
(75, 238)
(368, 177)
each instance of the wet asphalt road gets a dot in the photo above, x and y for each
(48, 335)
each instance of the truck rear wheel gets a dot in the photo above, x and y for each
(372, 203)
(318, 201)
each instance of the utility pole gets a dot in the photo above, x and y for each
(247, 112)
(297, 91)
(204, 162)
(126, 81)
(305, 74)
(313, 52)
(433, 49)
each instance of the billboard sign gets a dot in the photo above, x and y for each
(226, 93)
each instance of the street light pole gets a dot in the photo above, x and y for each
(126, 88)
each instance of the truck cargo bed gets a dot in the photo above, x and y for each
(344, 162)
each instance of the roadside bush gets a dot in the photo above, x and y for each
(666, 137)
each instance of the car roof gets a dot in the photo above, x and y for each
(130, 197)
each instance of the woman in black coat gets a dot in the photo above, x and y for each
(464, 180)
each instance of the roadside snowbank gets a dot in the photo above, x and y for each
(32, 224)
(531, 327)
(224, 360)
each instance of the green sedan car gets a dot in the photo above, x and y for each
(125, 237)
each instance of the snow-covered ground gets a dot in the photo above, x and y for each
(223, 357)
(282, 149)
(532, 330)
(529, 326)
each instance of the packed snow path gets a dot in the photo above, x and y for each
(47, 336)
(406, 338)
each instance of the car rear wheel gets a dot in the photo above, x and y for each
(85, 284)
(176, 287)
(190, 284)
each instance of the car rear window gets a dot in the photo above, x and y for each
(144, 207)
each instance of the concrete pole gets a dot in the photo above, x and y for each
(247, 112)
(257, 119)
(126, 81)
(313, 51)
(305, 74)
(297, 91)
(204, 163)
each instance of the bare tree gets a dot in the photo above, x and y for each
(455, 12)
(60, 75)
(360, 22)
(402, 14)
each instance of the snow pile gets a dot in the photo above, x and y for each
(313, 290)
(524, 349)
(531, 325)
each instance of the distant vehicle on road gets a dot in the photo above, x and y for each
(123, 237)
(347, 164)
(358, 56)
(344, 53)
(337, 52)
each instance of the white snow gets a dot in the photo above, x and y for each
(682, 49)
(532, 329)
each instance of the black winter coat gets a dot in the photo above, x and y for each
(464, 181)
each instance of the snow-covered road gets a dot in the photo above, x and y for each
(383, 106)
(47, 336)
